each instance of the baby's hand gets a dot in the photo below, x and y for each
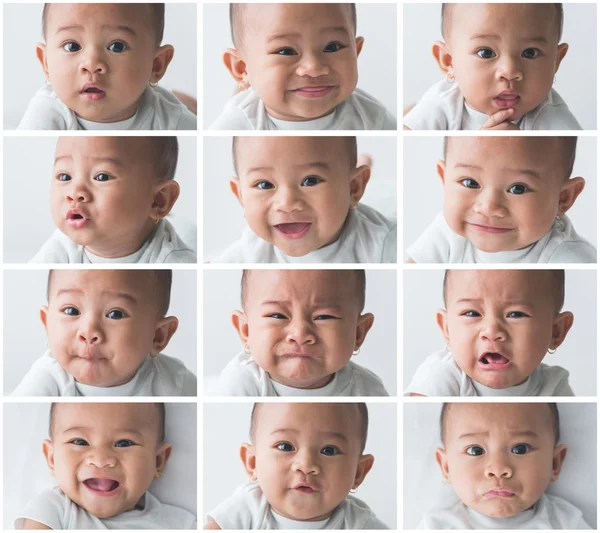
(500, 121)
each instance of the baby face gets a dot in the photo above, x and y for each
(502, 193)
(501, 323)
(105, 456)
(102, 193)
(307, 457)
(504, 55)
(101, 324)
(296, 191)
(500, 458)
(302, 325)
(300, 58)
(99, 57)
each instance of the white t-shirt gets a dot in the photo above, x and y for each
(243, 377)
(443, 107)
(439, 244)
(367, 237)
(248, 508)
(439, 375)
(550, 512)
(360, 111)
(158, 109)
(54, 509)
(163, 246)
(158, 376)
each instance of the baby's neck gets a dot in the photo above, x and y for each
(122, 246)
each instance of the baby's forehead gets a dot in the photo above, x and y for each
(140, 417)
(132, 285)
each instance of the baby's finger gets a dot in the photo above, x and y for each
(497, 118)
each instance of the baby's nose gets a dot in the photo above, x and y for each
(490, 204)
(93, 60)
(312, 65)
(510, 68)
(289, 199)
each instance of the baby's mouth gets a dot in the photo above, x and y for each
(493, 361)
(101, 484)
(92, 91)
(293, 230)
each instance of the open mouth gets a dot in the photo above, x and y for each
(101, 485)
(293, 230)
(76, 219)
(93, 93)
(507, 99)
(493, 361)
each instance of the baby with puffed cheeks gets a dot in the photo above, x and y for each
(296, 66)
(300, 328)
(505, 201)
(498, 326)
(109, 197)
(303, 461)
(106, 330)
(499, 61)
(300, 197)
(500, 459)
(104, 457)
(102, 64)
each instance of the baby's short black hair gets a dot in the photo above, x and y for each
(161, 420)
(360, 277)
(447, 9)
(552, 406)
(165, 151)
(363, 414)
(235, 15)
(157, 12)
(350, 149)
(164, 279)
(558, 286)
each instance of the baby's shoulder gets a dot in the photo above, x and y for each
(368, 113)
(361, 381)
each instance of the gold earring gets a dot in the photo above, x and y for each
(448, 348)
(354, 490)
(244, 85)
(247, 349)
(357, 351)
(550, 351)
(47, 82)
(153, 84)
(449, 77)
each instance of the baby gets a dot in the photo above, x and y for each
(299, 329)
(498, 326)
(106, 330)
(109, 198)
(102, 64)
(500, 459)
(499, 61)
(303, 461)
(300, 197)
(505, 200)
(296, 65)
(104, 457)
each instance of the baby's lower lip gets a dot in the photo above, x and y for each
(504, 102)
(101, 491)
(499, 494)
(93, 95)
(295, 230)
(314, 92)
(77, 223)
(489, 229)
(305, 490)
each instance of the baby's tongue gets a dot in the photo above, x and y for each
(496, 358)
(101, 484)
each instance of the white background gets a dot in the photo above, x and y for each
(224, 471)
(575, 79)
(222, 343)
(424, 191)
(25, 337)
(23, 74)
(224, 217)
(376, 63)
(423, 486)
(26, 471)
(28, 168)
(423, 296)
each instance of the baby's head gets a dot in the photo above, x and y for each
(302, 326)
(504, 193)
(301, 59)
(104, 456)
(99, 58)
(102, 324)
(306, 457)
(296, 192)
(500, 457)
(107, 193)
(499, 324)
(501, 55)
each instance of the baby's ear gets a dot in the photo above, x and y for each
(162, 458)
(562, 52)
(162, 57)
(441, 459)
(560, 452)
(165, 329)
(359, 44)
(358, 183)
(570, 191)
(365, 323)
(48, 451)
(165, 196)
(365, 463)
(441, 170)
(44, 317)
(40, 52)
(562, 324)
(240, 323)
(441, 318)
(442, 55)
(248, 457)
(236, 189)
(235, 65)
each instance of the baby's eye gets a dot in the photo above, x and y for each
(475, 450)
(530, 53)
(123, 443)
(278, 316)
(285, 447)
(115, 314)
(330, 450)
(518, 188)
(333, 47)
(286, 52)
(486, 53)
(103, 176)
(471, 314)
(71, 311)
(78, 442)
(521, 449)
(63, 177)
(516, 314)
(264, 185)
(71, 46)
(117, 47)
(470, 183)
(325, 317)
(311, 181)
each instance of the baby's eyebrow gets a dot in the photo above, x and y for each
(117, 294)
(96, 159)
(495, 36)
(79, 27)
(523, 433)
(277, 36)
(316, 303)
(331, 434)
